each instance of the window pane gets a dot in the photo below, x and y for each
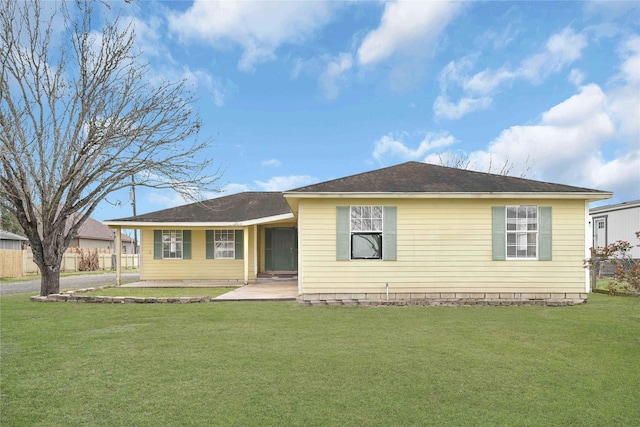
(172, 243)
(376, 225)
(376, 212)
(366, 246)
(224, 244)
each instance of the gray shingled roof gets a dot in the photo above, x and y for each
(234, 208)
(415, 177)
(95, 230)
(6, 235)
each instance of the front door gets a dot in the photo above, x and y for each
(281, 249)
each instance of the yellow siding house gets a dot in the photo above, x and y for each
(413, 232)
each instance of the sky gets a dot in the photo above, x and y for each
(296, 93)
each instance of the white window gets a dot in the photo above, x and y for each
(522, 232)
(366, 232)
(172, 243)
(224, 244)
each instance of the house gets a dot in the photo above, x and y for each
(11, 241)
(95, 235)
(413, 231)
(611, 223)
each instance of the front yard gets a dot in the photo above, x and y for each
(279, 363)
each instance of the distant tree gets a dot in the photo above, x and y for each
(9, 222)
(463, 161)
(79, 115)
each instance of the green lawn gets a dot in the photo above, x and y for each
(278, 363)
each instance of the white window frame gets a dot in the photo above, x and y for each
(363, 220)
(519, 226)
(223, 247)
(174, 241)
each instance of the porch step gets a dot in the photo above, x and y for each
(277, 275)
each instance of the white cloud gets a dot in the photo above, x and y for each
(219, 90)
(259, 28)
(576, 77)
(333, 75)
(624, 102)
(444, 108)
(271, 162)
(560, 50)
(388, 148)
(406, 27)
(572, 144)
(488, 81)
(282, 183)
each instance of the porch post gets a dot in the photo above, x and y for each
(255, 249)
(245, 249)
(118, 241)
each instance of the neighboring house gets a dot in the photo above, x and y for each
(95, 235)
(616, 222)
(414, 231)
(11, 241)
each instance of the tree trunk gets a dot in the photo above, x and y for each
(50, 283)
(48, 261)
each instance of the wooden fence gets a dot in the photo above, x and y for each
(17, 263)
(10, 263)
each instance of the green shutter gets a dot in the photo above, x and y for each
(544, 241)
(343, 230)
(239, 238)
(186, 244)
(499, 239)
(389, 237)
(210, 245)
(157, 244)
(268, 249)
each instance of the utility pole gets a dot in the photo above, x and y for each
(132, 196)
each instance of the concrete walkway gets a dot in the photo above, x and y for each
(280, 290)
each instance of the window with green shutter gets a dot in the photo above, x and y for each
(522, 232)
(171, 244)
(366, 232)
(224, 244)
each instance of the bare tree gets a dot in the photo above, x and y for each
(462, 161)
(79, 115)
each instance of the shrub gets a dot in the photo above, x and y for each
(89, 260)
(626, 270)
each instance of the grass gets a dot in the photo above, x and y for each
(279, 363)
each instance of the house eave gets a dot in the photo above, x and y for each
(187, 224)
(591, 196)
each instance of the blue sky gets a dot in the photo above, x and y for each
(294, 93)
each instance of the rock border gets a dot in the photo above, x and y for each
(70, 296)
